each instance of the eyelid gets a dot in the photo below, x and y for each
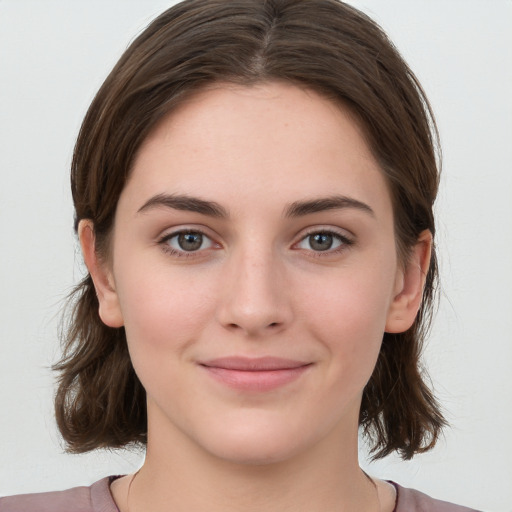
(163, 240)
(347, 239)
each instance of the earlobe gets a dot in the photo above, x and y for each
(409, 286)
(109, 308)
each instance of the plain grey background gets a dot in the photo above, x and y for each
(54, 54)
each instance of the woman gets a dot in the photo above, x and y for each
(253, 187)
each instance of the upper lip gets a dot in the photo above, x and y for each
(253, 364)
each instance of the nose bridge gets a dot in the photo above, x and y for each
(254, 298)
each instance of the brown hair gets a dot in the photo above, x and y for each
(324, 45)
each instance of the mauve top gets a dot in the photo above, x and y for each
(98, 498)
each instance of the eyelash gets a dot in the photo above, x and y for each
(164, 243)
(344, 241)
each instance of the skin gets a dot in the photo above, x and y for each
(257, 286)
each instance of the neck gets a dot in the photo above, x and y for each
(178, 475)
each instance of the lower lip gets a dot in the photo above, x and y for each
(258, 381)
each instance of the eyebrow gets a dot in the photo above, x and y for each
(213, 209)
(301, 208)
(185, 203)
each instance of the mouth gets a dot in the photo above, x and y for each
(255, 374)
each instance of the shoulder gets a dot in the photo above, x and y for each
(410, 500)
(95, 498)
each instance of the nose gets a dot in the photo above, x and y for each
(254, 298)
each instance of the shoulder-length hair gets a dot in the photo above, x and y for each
(323, 45)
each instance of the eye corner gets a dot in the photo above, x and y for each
(187, 242)
(323, 241)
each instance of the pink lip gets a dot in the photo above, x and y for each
(255, 374)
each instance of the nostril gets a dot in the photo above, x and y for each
(236, 326)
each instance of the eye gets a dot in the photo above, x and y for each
(322, 241)
(186, 242)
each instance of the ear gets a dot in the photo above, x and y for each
(409, 286)
(109, 309)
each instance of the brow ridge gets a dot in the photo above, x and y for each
(301, 208)
(185, 203)
(214, 209)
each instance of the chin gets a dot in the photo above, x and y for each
(256, 443)
(254, 452)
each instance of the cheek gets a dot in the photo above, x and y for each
(164, 311)
(347, 314)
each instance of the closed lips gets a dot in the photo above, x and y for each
(254, 364)
(255, 375)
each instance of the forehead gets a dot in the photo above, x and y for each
(272, 139)
(277, 113)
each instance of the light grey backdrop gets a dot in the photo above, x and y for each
(54, 55)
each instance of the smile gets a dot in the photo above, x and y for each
(255, 374)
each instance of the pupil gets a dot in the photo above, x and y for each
(321, 242)
(190, 241)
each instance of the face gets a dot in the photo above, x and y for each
(254, 268)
